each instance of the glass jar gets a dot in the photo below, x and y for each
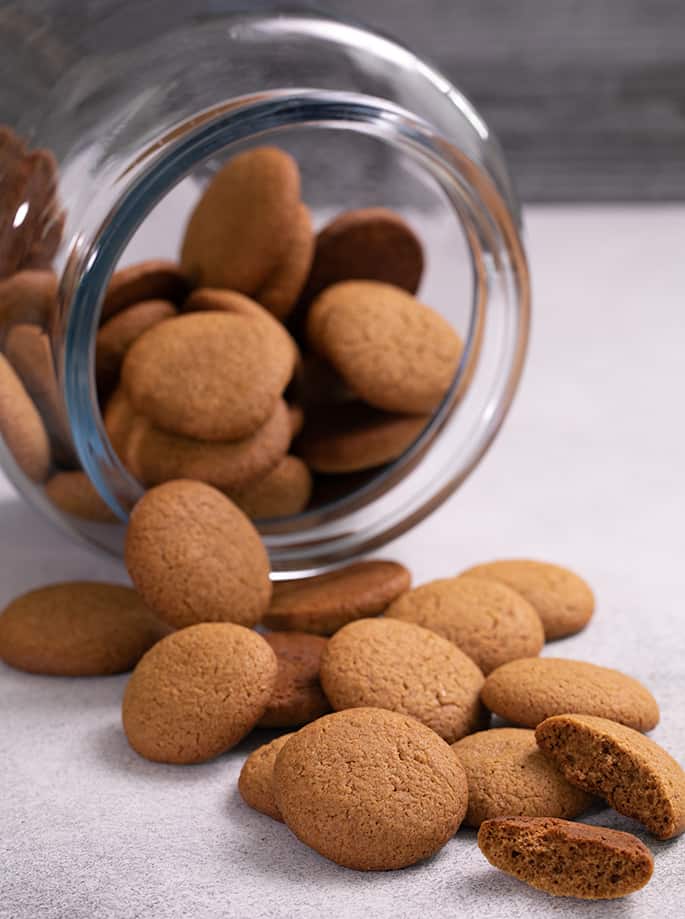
(139, 104)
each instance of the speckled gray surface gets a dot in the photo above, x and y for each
(588, 472)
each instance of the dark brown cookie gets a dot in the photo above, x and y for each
(282, 288)
(154, 279)
(74, 493)
(297, 698)
(256, 781)
(283, 492)
(21, 426)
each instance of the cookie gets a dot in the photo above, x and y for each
(296, 415)
(631, 772)
(28, 297)
(244, 223)
(393, 351)
(509, 775)
(355, 437)
(255, 783)
(326, 602)
(194, 557)
(80, 628)
(154, 279)
(118, 419)
(74, 493)
(284, 285)
(563, 601)
(369, 789)
(157, 456)
(21, 426)
(488, 621)
(282, 492)
(198, 692)
(297, 697)
(213, 376)
(528, 690)
(384, 663)
(567, 859)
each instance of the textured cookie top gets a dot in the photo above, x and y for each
(508, 775)
(198, 692)
(285, 490)
(488, 621)
(529, 690)
(118, 334)
(370, 789)
(154, 279)
(280, 291)
(404, 668)
(195, 557)
(562, 600)
(297, 697)
(256, 781)
(21, 427)
(395, 353)
(633, 773)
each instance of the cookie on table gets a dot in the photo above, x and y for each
(399, 666)
(256, 781)
(153, 279)
(369, 789)
(195, 557)
(561, 598)
(326, 602)
(198, 692)
(567, 859)
(284, 285)
(297, 697)
(21, 426)
(283, 492)
(528, 690)
(80, 628)
(635, 775)
(74, 493)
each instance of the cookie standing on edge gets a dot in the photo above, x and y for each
(283, 286)
(256, 781)
(21, 426)
(297, 697)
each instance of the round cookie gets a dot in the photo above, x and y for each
(296, 413)
(282, 492)
(21, 427)
(282, 288)
(404, 668)
(395, 353)
(370, 789)
(508, 775)
(244, 223)
(80, 628)
(118, 334)
(256, 781)
(528, 690)
(326, 602)
(74, 493)
(28, 297)
(488, 621)
(118, 419)
(198, 692)
(213, 376)
(562, 600)
(195, 557)
(297, 697)
(154, 279)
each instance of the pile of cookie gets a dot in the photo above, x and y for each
(384, 693)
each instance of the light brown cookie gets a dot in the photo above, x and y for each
(488, 621)
(198, 692)
(80, 628)
(563, 601)
(284, 285)
(256, 780)
(567, 859)
(509, 776)
(369, 789)
(212, 376)
(157, 456)
(21, 426)
(528, 690)
(244, 223)
(399, 666)
(27, 297)
(355, 437)
(118, 419)
(154, 279)
(631, 772)
(282, 492)
(325, 603)
(195, 557)
(393, 351)
(297, 697)
(296, 414)
(74, 493)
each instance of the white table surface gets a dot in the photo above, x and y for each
(587, 472)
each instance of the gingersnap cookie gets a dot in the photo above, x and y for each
(326, 602)
(213, 376)
(28, 297)
(393, 351)
(488, 621)
(284, 285)
(157, 456)
(21, 426)
(74, 493)
(153, 279)
(567, 859)
(118, 419)
(528, 690)
(631, 772)
(404, 668)
(369, 789)
(563, 601)
(195, 557)
(256, 780)
(80, 628)
(283, 492)
(297, 697)
(198, 692)
(244, 223)
(296, 415)
(508, 775)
